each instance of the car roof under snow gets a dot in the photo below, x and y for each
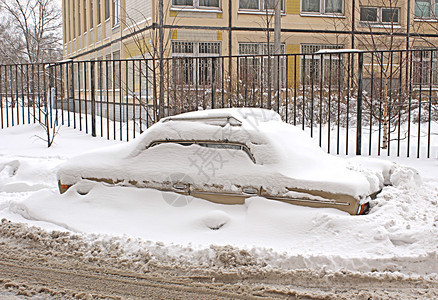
(241, 125)
(231, 116)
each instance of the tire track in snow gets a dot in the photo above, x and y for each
(37, 263)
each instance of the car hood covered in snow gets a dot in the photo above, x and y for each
(284, 156)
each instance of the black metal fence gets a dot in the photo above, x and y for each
(363, 102)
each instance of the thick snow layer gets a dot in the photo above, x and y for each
(285, 157)
(399, 234)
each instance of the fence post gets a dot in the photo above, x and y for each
(213, 82)
(49, 102)
(359, 104)
(93, 100)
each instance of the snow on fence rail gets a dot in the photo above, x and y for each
(351, 102)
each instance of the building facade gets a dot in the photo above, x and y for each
(104, 29)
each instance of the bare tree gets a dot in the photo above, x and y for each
(151, 44)
(35, 28)
(31, 33)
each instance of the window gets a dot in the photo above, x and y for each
(322, 6)
(100, 68)
(85, 15)
(257, 68)
(426, 8)
(187, 69)
(99, 7)
(107, 10)
(249, 4)
(368, 14)
(116, 11)
(209, 144)
(196, 3)
(79, 18)
(259, 4)
(182, 2)
(212, 3)
(117, 70)
(73, 21)
(379, 15)
(311, 64)
(423, 63)
(109, 76)
(91, 14)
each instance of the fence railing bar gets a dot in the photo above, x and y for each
(430, 102)
(349, 78)
(1, 97)
(287, 90)
(371, 105)
(261, 82)
(147, 94)
(7, 96)
(338, 142)
(222, 82)
(321, 71)
(93, 97)
(79, 96)
(27, 92)
(126, 97)
(72, 69)
(278, 87)
(44, 96)
(60, 67)
(295, 90)
(119, 85)
(54, 98)
(67, 91)
(134, 97)
(399, 106)
(22, 95)
(17, 95)
(304, 93)
(419, 104)
(86, 95)
(245, 84)
(12, 95)
(312, 88)
(140, 103)
(100, 87)
(380, 103)
(196, 84)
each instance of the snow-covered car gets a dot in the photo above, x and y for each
(228, 155)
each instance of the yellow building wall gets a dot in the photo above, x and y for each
(293, 7)
(293, 49)
(136, 48)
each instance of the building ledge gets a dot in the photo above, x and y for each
(338, 16)
(377, 25)
(425, 20)
(193, 9)
(258, 12)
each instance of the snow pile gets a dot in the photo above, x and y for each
(400, 234)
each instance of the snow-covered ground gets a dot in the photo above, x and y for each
(400, 234)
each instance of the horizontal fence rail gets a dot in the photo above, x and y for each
(351, 102)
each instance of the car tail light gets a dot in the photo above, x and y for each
(363, 209)
(63, 187)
